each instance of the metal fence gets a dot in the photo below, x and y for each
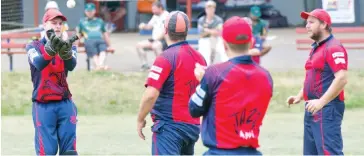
(11, 14)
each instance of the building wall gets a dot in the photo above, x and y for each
(361, 12)
(73, 15)
(291, 9)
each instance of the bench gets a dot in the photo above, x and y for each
(355, 43)
(10, 46)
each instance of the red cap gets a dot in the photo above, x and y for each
(51, 14)
(236, 31)
(320, 14)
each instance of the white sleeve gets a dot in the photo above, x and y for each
(153, 20)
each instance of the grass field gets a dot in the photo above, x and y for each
(107, 103)
(105, 93)
(116, 135)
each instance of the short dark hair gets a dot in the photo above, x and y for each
(239, 47)
(174, 36)
(328, 28)
(158, 4)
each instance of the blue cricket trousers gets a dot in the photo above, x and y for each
(174, 138)
(322, 131)
(236, 151)
(55, 125)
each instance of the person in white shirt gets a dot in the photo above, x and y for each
(54, 5)
(157, 43)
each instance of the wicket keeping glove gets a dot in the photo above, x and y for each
(65, 50)
(52, 43)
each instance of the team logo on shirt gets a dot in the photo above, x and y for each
(339, 57)
(198, 97)
(155, 72)
(246, 123)
(73, 54)
(32, 53)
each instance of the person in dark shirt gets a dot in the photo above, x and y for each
(233, 96)
(54, 112)
(170, 84)
(323, 88)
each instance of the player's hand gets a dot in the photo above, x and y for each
(254, 52)
(199, 71)
(314, 106)
(53, 43)
(140, 126)
(293, 100)
(141, 26)
(65, 50)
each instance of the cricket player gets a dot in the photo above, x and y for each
(323, 88)
(210, 42)
(233, 96)
(54, 112)
(170, 84)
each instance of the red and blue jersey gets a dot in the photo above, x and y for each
(49, 73)
(173, 75)
(233, 98)
(326, 58)
(257, 42)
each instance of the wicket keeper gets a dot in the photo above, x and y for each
(54, 112)
(170, 84)
(233, 96)
(323, 88)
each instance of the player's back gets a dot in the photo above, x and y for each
(241, 93)
(172, 103)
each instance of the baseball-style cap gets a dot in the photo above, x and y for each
(320, 14)
(236, 31)
(53, 13)
(177, 22)
(90, 7)
(255, 11)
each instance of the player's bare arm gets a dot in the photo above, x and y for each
(266, 49)
(333, 91)
(147, 103)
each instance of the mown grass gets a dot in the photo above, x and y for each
(115, 93)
